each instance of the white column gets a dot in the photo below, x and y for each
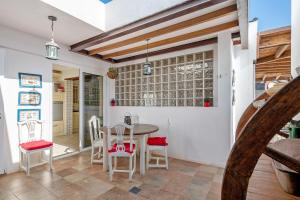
(244, 75)
(295, 37)
(224, 86)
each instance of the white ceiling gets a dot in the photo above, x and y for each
(31, 16)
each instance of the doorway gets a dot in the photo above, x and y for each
(66, 115)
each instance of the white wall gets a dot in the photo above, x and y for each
(245, 75)
(25, 53)
(196, 134)
(117, 16)
(295, 37)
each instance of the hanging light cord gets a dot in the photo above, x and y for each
(147, 50)
(52, 33)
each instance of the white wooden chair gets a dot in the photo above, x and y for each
(31, 141)
(96, 136)
(157, 144)
(121, 149)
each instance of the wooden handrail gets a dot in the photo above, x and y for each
(255, 136)
(248, 113)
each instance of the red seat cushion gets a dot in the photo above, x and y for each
(34, 145)
(127, 148)
(157, 141)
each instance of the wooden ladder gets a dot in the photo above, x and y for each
(255, 130)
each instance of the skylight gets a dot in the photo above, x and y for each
(105, 1)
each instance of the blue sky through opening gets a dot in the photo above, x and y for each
(270, 13)
(105, 1)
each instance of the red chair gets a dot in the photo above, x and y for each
(157, 144)
(30, 141)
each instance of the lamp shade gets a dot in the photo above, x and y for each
(52, 50)
(147, 70)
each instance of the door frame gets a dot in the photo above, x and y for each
(81, 105)
(96, 71)
(2, 116)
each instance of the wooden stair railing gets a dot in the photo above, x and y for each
(255, 133)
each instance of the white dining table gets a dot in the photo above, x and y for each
(140, 132)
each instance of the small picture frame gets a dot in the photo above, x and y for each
(29, 98)
(29, 114)
(30, 80)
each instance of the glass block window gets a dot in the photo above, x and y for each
(185, 80)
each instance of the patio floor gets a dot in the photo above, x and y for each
(74, 178)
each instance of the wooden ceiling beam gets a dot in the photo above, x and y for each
(275, 67)
(275, 71)
(270, 77)
(272, 58)
(152, 20)
(97, 56)
(175, 39)
(174, 27)
(281, 50)
(272, 66)
(262, 75)
(171, 49)
(282, 67)
(274, 40)
(275, 63)
(274, 45)
(276, 31)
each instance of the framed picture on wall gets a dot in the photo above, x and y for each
(29, 114)
(30, 80)
(29, 98)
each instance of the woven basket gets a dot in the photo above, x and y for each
(112, 75)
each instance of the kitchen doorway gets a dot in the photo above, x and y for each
(66, 115)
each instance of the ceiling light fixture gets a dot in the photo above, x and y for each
(51, 47)
(147, 65)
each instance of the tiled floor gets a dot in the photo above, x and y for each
(65, 144)
(74, 178)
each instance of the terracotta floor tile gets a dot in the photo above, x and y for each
(66, 172)
(163, 195)
(81, 166)
(148, 190)
(74, 178)
(118, 194)
(93, 170)
(94, 187)
(6, 195)
(208, 169)
(70, 191)
(196, 191)
(45, 176)
(56, 184)
(205, 175)
(36, 194)
(178, 184)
